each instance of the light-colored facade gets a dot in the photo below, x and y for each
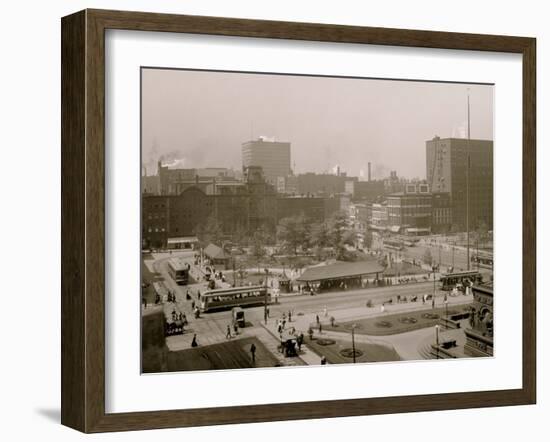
(272, 156)
(411, 210)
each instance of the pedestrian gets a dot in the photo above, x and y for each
(310, 333)
(323, 360)
(317, 318)
(284, 323)
(332, 321)
(192, 305)
(144, 302)
(320, 328)
(289, 316)
(236, 328)
(194, 341)
(300, 341)
(253, 352)
(228, 333)
(267, 312)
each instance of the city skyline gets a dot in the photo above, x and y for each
(181, 108)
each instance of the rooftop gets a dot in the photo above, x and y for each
(341, 270)
(215, 252)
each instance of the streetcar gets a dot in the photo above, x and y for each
(178, 270)
(460, 280)
(219, 299)
(482, 259)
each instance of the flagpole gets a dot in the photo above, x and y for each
(468, 190)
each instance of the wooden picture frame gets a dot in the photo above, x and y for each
(83, 219)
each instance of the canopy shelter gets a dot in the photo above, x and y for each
(217, 255)
(341, 275)
(182, 242)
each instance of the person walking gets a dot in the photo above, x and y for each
(253, 353)
(300, 341)
(317, 318)
(194, 342)
(320, 328)
(289, 316)
(228, 333)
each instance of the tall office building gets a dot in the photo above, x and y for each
(272, 156)
(446, 172)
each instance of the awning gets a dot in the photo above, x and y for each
(418, 230)
(212, 251)
(341, 270)
(183, 240)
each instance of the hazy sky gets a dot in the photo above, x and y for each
(202, 118)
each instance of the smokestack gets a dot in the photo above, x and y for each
(368, 173)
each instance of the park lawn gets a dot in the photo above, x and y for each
(232, 354)
(370, 352)
(403, 269)
(392, 324)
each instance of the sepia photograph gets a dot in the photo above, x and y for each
(295, 220)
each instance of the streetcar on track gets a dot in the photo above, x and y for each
(460, 280)
(482, 259)
(220, 299)
(179, 270)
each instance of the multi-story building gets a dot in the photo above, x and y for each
(323, 184)
(379, 216)
(173, 181)
(442, 212)
(238, 208)
(447, 172)
(411, 210)
(272, 156)
(368, 190)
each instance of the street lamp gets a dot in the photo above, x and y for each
(437, 340)
(353, 341)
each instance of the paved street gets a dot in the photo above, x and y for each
(211, 328)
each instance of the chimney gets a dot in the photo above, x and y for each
(369, 172)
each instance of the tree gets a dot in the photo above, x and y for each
(338, 233)
(319, 238)
(258, 248)
(482, 231)
(368, 239)
(240, 235)
(292, 233)
(211, 232)
(427, 258)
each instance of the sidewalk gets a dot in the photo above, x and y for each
(305, 354)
